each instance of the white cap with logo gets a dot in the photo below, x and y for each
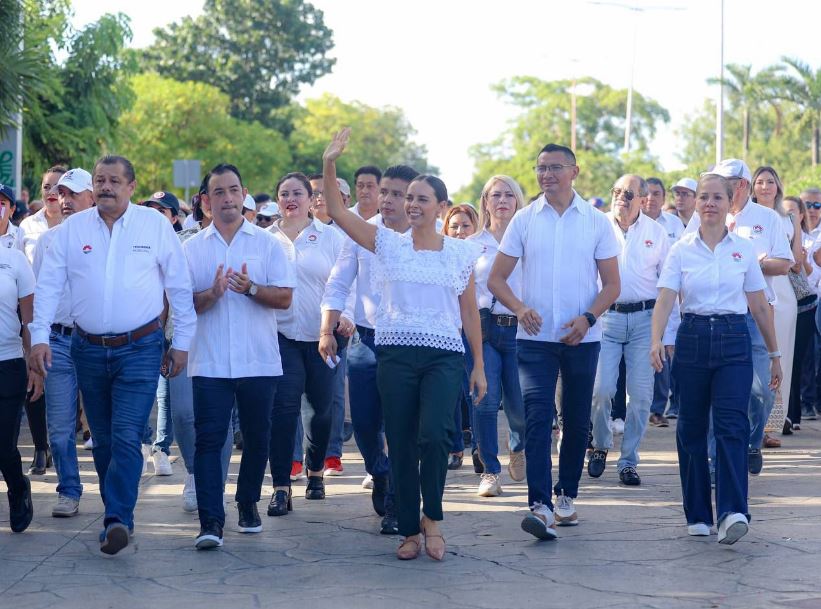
(688, 183)
(76, 180)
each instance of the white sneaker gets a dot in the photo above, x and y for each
(189, 494)
(617, 427)
(489, 486)
(66, 507)
(698, 529)
(367, 482)
(88, 444)
(540, 523)
(565, 512)
(162, 466)
(732, 528)
(146, 450)
(516, 465)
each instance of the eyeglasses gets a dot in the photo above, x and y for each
(813, 204)
(542, 169)
(617, 192)
(261, 218)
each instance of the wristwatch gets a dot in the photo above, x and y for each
(591, 319)
(252, 290)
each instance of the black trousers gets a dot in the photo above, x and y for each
(804, 329)
(12, 395)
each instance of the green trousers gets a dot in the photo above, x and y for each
(418, 387)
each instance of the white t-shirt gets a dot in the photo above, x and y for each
(63, 314)
(420, 290)
(16, 282)
(10, 238)
(29, 232)
(484, 299)
(673, 226)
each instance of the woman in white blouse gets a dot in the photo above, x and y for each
(428, 296)
(501, 199)
(717, 276)
(314, 247)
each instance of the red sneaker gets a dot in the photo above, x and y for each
(296, 471)
(333, 466)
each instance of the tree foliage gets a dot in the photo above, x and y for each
(258, 52)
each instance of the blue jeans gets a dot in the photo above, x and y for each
(165, 422)
(61, 415)
(713, 368)
(628, 335)
(502, 374)
(539, 366)
(213, 402)
(366, 407)
(118, 386)
(662, 391)
(304, 371)
(762, 398)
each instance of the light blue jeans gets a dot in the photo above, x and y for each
(625, 334)
(61, 415)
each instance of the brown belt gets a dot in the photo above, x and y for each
(119, 340)
(506, 321)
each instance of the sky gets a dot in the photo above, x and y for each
(437, 59)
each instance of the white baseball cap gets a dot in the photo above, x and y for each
(688, 183)
(269, 210)
(344, 187)
(733, 168)
(76, 180)
(249, 203)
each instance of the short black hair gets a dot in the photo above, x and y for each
(439, 188)
(113, 159)
(220, 169)
(559, 148)
(315, 176)
(261, 197)
(370, 170)
(657, 182)
(405, 173)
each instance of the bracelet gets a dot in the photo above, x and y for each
(774, 354)
(326, 333)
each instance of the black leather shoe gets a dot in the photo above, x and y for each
(380, 489)
(249, 520)
(478, 466)
(315, 488)
(210, 536)
(597, 463)
(41, 461)
(280, 503)
(21, 509)
(629, 477)
(754, 461)
(455, 461)
(389, 525)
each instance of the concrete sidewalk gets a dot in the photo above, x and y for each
(630, 549)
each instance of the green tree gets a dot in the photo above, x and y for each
(258, 52)
(803, 87)
(172, 120)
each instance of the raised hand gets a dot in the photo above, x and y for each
(337, 145)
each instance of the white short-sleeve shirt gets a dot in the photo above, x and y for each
(10, 238)
(237, 337)
(559, 254)
(673, 226)
(29, 232)
(16, 282)
(485, 300)
(712, 282)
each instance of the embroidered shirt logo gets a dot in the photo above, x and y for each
(86, 249)
(311, 238)
(758, 229)
(737, 256)
(141, 249)
(648, 243)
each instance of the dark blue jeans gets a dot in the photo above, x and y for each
(303, 371)
(214, 400)
(539, 366)
(118, 386)
(12, 397)
(713, 365)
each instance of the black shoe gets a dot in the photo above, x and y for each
(115, 538)
(315, 488)
(347, 431)
(787, 431)
(454, 461)
(238, 440)
(597, 463)
(21, 509)
(40, 462)
(467, 437)
(389, 525)
(380, 490)
(755, 462)
(281, 503)
(210, 536)
(249, 520)
(629, 477)
(478, 466)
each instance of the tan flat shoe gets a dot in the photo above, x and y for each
(436, 550)
(409, 548)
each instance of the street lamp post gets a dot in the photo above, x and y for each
(720, 99)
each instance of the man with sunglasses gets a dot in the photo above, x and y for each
(267, 214)
(626, 328)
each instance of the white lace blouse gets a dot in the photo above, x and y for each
(420, 290)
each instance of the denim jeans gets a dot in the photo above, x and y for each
(662, 391)
(502, 374)
(366, 406)
(118, 386)
(713, 369)
(628, 335)
(539, 365)
(165, 422)
(61, 415)
(12, 397)
(303, 371)
(213, 402)
(181, 402)
(762, 398)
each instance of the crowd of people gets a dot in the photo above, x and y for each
(255, 320)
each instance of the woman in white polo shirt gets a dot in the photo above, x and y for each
(717, 275)
(428, 296)
(314, 247)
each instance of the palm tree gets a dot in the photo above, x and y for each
(747, 91)
(803, 87)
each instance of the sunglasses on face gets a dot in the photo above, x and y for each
(264, 219)
(813, 204)
(617, 192)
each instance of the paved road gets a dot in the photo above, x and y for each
(630, 549)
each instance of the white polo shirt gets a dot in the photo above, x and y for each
(16, 282)
(490, 247)
(558, 254)
(315, 251)
(237, 337)
(764, 228)
(30, 230)
(117, 279)
(673, 226)
(63, 314)
(10, 238)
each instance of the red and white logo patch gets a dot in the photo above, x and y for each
(86, 249)
(758, 229)
(311, 238)
(648, 243)
(158, 195)
(737, 256)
